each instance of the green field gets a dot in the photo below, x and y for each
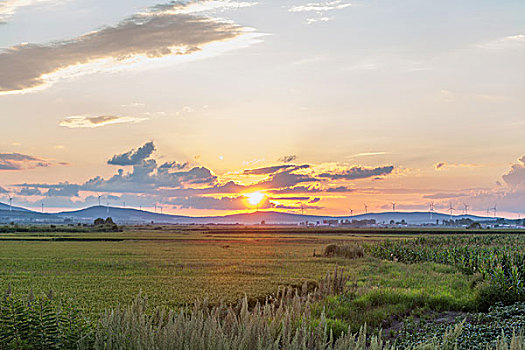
(173, 266)
(401, 276)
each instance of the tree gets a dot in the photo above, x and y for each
(98, 222)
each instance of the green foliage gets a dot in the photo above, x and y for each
(39, 323)
(499, 259)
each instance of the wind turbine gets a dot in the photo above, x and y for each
(465, 208)
(495, 210)
(351, 212)
(366, 208)
(302, 209)
(42, 207)
(451, 210)
(431, 210)
(393, 206)
(99, 196)
(10, 203)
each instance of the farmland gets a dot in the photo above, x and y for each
(173, 267)
(400, 277)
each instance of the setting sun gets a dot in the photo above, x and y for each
(254, 198)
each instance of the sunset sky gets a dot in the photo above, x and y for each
(324, 106)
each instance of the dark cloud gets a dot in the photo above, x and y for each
(29, 191)
(173, 165)
(285, 179)
(274, 169)
(17, 161)
(297, 207)
(145, 176)
(288, 159)
(150, 35)
(133, 157)
(66, 190)
(339, 189)
(224, 203)
(445, 195)
(358, 173)
(314, 200)
(440, 165)
(289, 198)
(296, 190)
(516, 176)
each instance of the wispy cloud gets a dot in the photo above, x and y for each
(17, 161)
(507, 43)
(141, 37)
(9, 7)
(319, 9)
(444, 165)
(74, 122)
(322, 6)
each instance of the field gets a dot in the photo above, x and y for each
(173, 267)
(402, 277)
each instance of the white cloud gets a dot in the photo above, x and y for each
(511, 42)
(74, 122)
(9, 7)
(140, 38)
(320, 7)
(318, 19)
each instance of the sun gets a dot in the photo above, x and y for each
(254, 198)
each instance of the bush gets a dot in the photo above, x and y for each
(353, 251)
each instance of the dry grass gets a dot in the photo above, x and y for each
(347, 251)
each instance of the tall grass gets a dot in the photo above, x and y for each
(283, 321)
(348, 251)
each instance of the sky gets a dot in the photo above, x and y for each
(319, 107)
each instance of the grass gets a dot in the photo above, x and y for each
(383, 291)
(172, 266)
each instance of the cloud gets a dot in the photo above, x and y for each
(321, 7)
(511, 42)
(28, 191)
(3, 190)
(516, 176)
(289, 198)
(445, 195)
(9, 7)
(17, 161)
(95, 122)
(288, 159)
(296, 190)
(354, 173)
(224, 203)
(64, 190)
(339, 189)
(318, 19)
(274, 169)
(143, 36)
(314, 200)
(285, 179)
(443, 165)
(133, 157)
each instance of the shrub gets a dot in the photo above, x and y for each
(348, 251)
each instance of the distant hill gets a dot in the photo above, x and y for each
(135, 216)
(4, 206)
(118, 214)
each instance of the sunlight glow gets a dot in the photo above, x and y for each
(254, 198)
